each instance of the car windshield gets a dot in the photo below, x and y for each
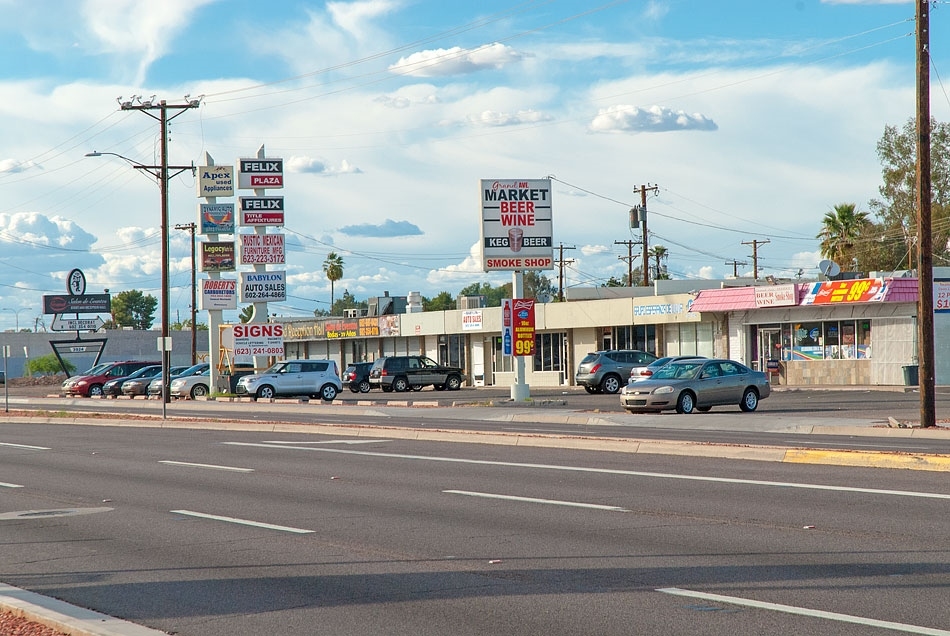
(98, 369)
(678, 371)
(276, 368)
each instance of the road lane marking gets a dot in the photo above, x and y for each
(802, 611)
(243, 522)
(333, 441)
(235, 469)
(27, 446)
(602, 471)
(553, 502)
(6, 485)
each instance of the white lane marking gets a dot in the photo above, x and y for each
(553, 502)
(243, 522)
(5, 485)
(24, 446)
(170, 462)
(802, 611)
(606, 471)
(334, 441)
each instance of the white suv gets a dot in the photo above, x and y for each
(315, 378)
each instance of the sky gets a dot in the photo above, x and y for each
(752, 120)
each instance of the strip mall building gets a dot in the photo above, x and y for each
(844, 332)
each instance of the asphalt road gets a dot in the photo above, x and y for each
(217, 532)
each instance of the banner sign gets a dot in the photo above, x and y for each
(218, 293)
(262, 249)
(263, 287)
(77, 304)
(215, 181)
(516, 225)
(261, 210)
(472, 320)
(775, 296)
(216, 218)
(506, 326)
(258, 174)
(217, 256)
(259, 340)
(833, 292)
(522, 325)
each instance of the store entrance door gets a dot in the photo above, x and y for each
(770, 350)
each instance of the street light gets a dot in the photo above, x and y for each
(160, 173)
(17, 312)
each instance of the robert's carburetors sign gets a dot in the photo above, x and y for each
(516, 224)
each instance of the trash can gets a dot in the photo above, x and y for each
(910, 375)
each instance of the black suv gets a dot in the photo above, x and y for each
(356, 377)
(404, 373)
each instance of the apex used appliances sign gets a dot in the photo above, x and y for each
(516, 224)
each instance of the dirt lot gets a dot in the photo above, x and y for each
(35, 387)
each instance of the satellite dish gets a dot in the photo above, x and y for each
(829, 268)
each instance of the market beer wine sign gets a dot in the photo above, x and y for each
(516, 224)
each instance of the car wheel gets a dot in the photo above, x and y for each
(686, 403)
(610, 384)
(365, 386)
(328, 393)
(353, 388)
(453, 383)
(95, 389)
(199, 390)
(438, 387)
(400, 385)
(266, 392)
(703, 409)
(750, 400)
(386, 389)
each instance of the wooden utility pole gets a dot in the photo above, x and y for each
(925, 276)
(643, 229)
(735, 267)
(628, 258)
(191, 227)
(755, 256)
(560, 275)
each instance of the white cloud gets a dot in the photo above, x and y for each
(592, 250)
(622, 118)
(309, 165)
(11, 166)
(456, 61)
(492, 118)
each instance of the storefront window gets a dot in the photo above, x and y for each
(807, 341)
(548, 348)
(829, 340)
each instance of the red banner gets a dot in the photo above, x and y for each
(522, 325)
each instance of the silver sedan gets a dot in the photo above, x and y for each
(689, 385)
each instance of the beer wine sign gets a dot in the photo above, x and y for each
(516, 225)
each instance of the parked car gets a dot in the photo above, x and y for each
(644, 372)
(191, 386)
(405, 373)
(90, 383)
(607, 371)
(700, 384)
(113, 388)
(356, 377)
(315, 378)
(155, 386)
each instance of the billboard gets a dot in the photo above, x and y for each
(263, 287)
(218, 293)
(516, 224)
(217, 256)
(258, 173)
(77, 304)
(215, 181)
(261, 210)
(216, 218)
(262, 249)
(258, 340)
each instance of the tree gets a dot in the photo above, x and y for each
(48, 365)
(247, 313)
(841, 229)
(659, 254)
(493, 295)
(889, 243)
(133, 309)
(333, 268)
(538, 286)
(347, 302)
(442, 301)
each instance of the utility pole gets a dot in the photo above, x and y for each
(735, 267)
(560, 275)
(161, 173)
(755, 256)
(191, 227)
(925, 278)
(643, 229)
(628, 258)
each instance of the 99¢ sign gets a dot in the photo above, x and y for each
(522, 326)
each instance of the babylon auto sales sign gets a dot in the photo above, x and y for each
(264, 287)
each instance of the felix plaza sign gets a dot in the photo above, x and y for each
(516, 224)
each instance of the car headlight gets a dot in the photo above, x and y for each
(663, 389)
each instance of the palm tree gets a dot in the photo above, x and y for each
(659, 253)
(840, 230)
(333, 268)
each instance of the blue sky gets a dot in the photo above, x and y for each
(753, 119)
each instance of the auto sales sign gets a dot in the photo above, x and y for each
(263, 287)
(516, 224)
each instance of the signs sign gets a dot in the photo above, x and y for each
(259, 340)
(516, 225)
(258, 174)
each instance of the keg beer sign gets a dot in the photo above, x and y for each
(516, 224)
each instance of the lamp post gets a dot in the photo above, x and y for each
(161, 174)
(17, 313)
